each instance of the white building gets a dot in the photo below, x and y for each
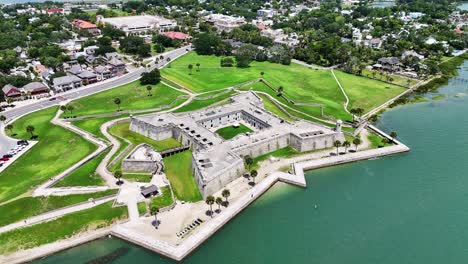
(224, 22)
(137, 25)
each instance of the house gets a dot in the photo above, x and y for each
(413, 53)
(35, 90)
(118, 66)
(388, 63)
(177, 35)
(149, 191)
(266, 13)
(103, 73)
(87, 77)
(66, 83)
(54, 11)
(224, 22)
(12, 92)
(85, 25)
(375, 43)
(108, 56)
(136, 25)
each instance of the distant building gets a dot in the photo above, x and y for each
(85, 25)
(391, 64)
(413, 53)
(66, 83)
(137, 25)
(35, 90)
(54, 11)
(176, 35)
(11, 91)
(266, 13)
(224, 22)
(117, 66)
(103, 73)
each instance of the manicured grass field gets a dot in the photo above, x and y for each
(199, 104)
(133, 96)
(177, 168)
(164, 200)
(366, 93)
(230, 131)
(137, 177)
(271, 107)
(376, 141)
(93, 125)
(85, 175)
(57, 150)
(61, 228)
(397, 79)
(30, 206)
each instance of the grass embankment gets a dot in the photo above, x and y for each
(177, 169)
(57, 150)
(93, 125)
(142, 208)
(31, 206)
(85, 175)
(137, 177)
(286, 152)
(376, 141)
(271, 107)
(197, 104)
(122, 130)
(61, 228)
(231, 131)
(163, 200)
(133, 96)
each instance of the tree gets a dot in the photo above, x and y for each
(154, 211)
(248, 161)
(118, 175)
(262, 73)
(219, 201)
(149, 88)
(70, 108)
(190, 67)
(408, 82)
(3, 118)
(385, 141)
(153, 77)
(254, 173)
(210, 201)
(81, 59)
(280, 91)
(9, 101)
(30, 129)
(198, 66)
(337, 145)
(63, 108)
(393, 134)
(346, 145)
(357, 142)
(353, 113)
(9, 127)
(117, 102)
(226, 193)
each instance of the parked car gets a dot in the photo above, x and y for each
(4, 159)
(22, 142)
(7, 155)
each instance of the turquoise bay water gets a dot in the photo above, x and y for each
(409, 208)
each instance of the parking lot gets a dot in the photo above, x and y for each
(9, 155)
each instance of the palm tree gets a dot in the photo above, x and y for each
(219, 201)
(346, 145)
(198, 66)
(248, 161)
(280, 90)
(353, 112)
(9, 127)
(210, 201)
(149, 88)
(118, 175)
(154, 211)
(337, 145)
(117, 102)
(226, 193)
(262, 73)
(385, 141)
(190, 67)
(63, 108)
(254, 174)
(3, 118)
(393, 134)
(357, 142)
(359, 111)
(70, 108)
(30, 129)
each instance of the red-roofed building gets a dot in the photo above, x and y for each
(261, 26)
(85, 25)
(177, 35)
(11, 92)
(54, 10)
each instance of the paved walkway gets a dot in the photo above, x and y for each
(343, 91)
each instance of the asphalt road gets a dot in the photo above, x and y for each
(7, 143)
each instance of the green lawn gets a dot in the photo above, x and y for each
(397, 79)
(366, 93)
(30, 206)
(271, 107)
(93, 125)
(137, 177)
(177, 169)
(376, 141)
(231, 131)
(57, 150)
(85, 175)
(141, 208)
(69, 225)
(286, 152)
(199, 104)
(133, 96)
(163, 200)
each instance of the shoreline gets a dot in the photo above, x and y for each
(191, 243)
